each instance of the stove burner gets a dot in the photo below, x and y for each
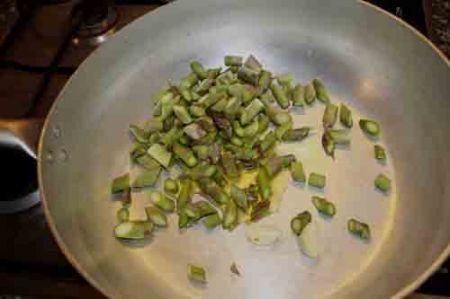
(95, 30)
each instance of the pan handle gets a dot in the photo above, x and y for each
(18, 146)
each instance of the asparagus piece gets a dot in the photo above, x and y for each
(379, 153)
(285, 79)
(232, 107)
(299, 222)
(140, 135)
(345, 116)
(280, 95)
(330, 116)
(263, 180)
(260, 210)
(382, 183)
(229, 165)
(212, 221)
(162, 202)
(268, 142)
(185, 154)
(189, 81)
(121, 184)
(324, 206)
(123, 215)
(251, 111)
(233, 60)
(252, 129)
(275, 164)
(213, 73)
(196, 273)
(239, 196)
(358, 228)
(339, 136)
(252, 63)
(201, 151)
(131, 230)
(248, 75)
(155, 215)
(296, 134)
(281, 130)
(317, 180)
(160, 154)
(263, 123)
(297, 172)
(264, 81)
(230, 216)
(184, 195)
(194, 131)
(182, 114)
(147, 178)
(171, 136)
(197, 111)
(370, 127)
(310, 94)
(197, 68)
(213, 191)
(298, 96)
(321, 92)
(328, 144)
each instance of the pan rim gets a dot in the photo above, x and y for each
(403, 292)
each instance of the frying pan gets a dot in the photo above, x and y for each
(375, 63)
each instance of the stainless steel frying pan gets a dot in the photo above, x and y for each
(375, 63)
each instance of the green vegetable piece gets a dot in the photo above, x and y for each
(248, 75)
(229, 165)
(239, 196)
(263, 181)
(212, 221)
(147, 178)
(171, 186)
(196, 273)
(220, 105)
(252, 63)
(123, 215)
(236, 90)
(268, 142)
(248, 93)
(201, 151)
(230, 216)
(296, 134)
(182, 114)
(317, 180)
(285, 79)
(237, 141)
(251, 111)
(171, 136)
(310, 94)
(192, 211)
(280, 95)
(324, 206)
(121, 184)
(197, 111)
(299, 222)
(297, 172)
(358, 228)
(382, 183)
(147, 162)
(263, 123)
(232, 107)
(328, 144)
(345, 116)
(137, 151)
(194, 131)
(189, 81)
(298, 96)
(184, 140)
(140, 135)
(321, 91)
(379, 153)
(264, 80)
(204, 209)
(185, 194)
(277, 163)
(370, 127)
(160, 154)
(283, 129)
(183, 219)
(162, 202)
(339, 136)
(213, 191)
(155, 215)
(197, 68)
(202, 170)
(185, 154)
(131, 230)
(278, 117)
(185, 93)
(213, 73)
(233, 60)
(252, 129)
(260, 210)
(330, 116)
(238, 129)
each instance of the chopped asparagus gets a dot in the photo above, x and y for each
(251, 111)
(121, 184)
(297, 172)
(171, 186)
(296, 134)
(162, 202)
(123, 215)
(358, 228)
(345, 116)
(330, 116)
(212, 221)
(324, 206)
(197, 68)
(196, 273)
(131, 230)
(280, 95)
(160, 154)
(230, 216)
(185, 154)
(382, 183)
(317, 180)
(328, 144)
(379, 152)
(239, 196)
(310, 94)
(248, 75)
(252, 63)
(263, 180)
(182, 114)
(147, 178)
(156, 216)
(321, 92)
(370, 127)
(339, 136)
(298, 96)
(233, 60)
(299, 222)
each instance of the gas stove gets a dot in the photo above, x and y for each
(41, 44)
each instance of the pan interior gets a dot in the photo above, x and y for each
(382, 70)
